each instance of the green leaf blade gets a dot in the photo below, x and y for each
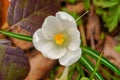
(103, 60)
(117, 48)
(90, 67)
(18, 36)
(86, 4)
(105, 4)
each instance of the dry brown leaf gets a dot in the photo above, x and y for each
(93, 27)
(40, 66)
(109, 51)
(2, 36)
(82, 32)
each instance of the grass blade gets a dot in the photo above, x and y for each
(18, 36)
(104, 61)
(90, 67)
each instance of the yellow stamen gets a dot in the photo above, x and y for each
(59, 38)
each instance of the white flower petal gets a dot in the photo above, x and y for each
(67, 25)
(39, 40)
(66, 20)
(65, 16)
(74, 42)
(51, 26)
(70, 57)
(51, 51)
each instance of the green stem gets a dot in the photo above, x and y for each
(82, 16)
(18, 36)
(96, 67)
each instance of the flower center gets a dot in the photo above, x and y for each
(59, 38)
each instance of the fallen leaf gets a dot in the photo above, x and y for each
(5, 42)
(93, 27)
(14, 65)
(40, 65)
(110, 52)
(30, 14)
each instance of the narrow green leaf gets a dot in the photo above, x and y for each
(103, 60)
(71, 71)
(112, 22)
(72, 1)
(84, 78)
(52, 75)
(117, 48)
(18, 36)
(86, 4)
(105, 4)
(119, 12)
(96, 67)
(102, 36)
(110, 16)
(90, 67)
(100, 11)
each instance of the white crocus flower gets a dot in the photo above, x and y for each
(59, 38)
